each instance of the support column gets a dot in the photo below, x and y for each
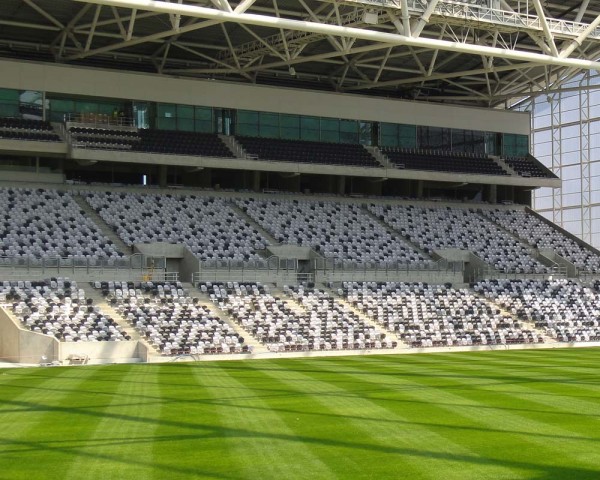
(419, 188)
(341, 185)
(162, 176)
(493, 195)
(256, 181)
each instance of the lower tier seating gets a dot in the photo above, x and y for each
(315, 321)
(566, 310)
(59, 308)
(426, 315)
(171, 320)
(540, 234)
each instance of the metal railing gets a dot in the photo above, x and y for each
(70, 264)
(329, 264)
(487, 273)
(103, 120)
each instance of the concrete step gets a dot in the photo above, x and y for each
(395, 233)
(271, 240)
(379, 156)
(204, 299)
(369, 321)
(102, 225)
(101, 302)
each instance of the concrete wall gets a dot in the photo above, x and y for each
(26, 177)
(100, 352)
(22, 346)
(290, 251)
(188, 266)
(160, 88)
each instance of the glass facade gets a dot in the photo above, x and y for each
(185, 118)
(302, 127)
(58, 107)
(566, 138)
(25, 104)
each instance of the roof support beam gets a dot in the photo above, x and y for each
(148, 38)
(582, 9)
(44, 13)
(243, 6)
(88, 44)
(542, 16)
(424, 18)
(580, 39)
(217, 16)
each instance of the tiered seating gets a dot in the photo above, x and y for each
(104, 138)
(58, 308)
(322, 324)
(528, 167)
(303, 151)
(539, 234)
(435, 315)
(335, 230)
(208, 226)
(21, 129)
(171, 320)
(182, 143)
(435, 228)
(442, 161)
(566, 310)
(40, 223)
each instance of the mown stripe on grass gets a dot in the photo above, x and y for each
(257, 439)
(41, 418)
(453, 394)
(120, 444)
(382, 440)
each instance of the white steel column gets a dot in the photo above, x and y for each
(557, 213)
(584, 148)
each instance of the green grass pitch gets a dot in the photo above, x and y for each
(489, 415)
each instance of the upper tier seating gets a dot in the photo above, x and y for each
(57, 307)
(107, 138)
(528, 167)
(21, 129)
(335, 230)
(171, 320)
(435, 315)
(442, 161)
(48, 223)
(539, 234)
(319, 323)
(182, 143)
(303, 151)
(207, 225)
(566, 310)
(435, 228)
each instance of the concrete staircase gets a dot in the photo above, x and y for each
(232, 144)
(379, 156)
(102, 225)
(502, 164)
(253, 223)
(297, 307)
(543, 259)
(369, 321)
(395, 233)
(529, 325)
(204, 299)
(101, 302)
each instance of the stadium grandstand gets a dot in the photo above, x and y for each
(327, 177)
(291, 239)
